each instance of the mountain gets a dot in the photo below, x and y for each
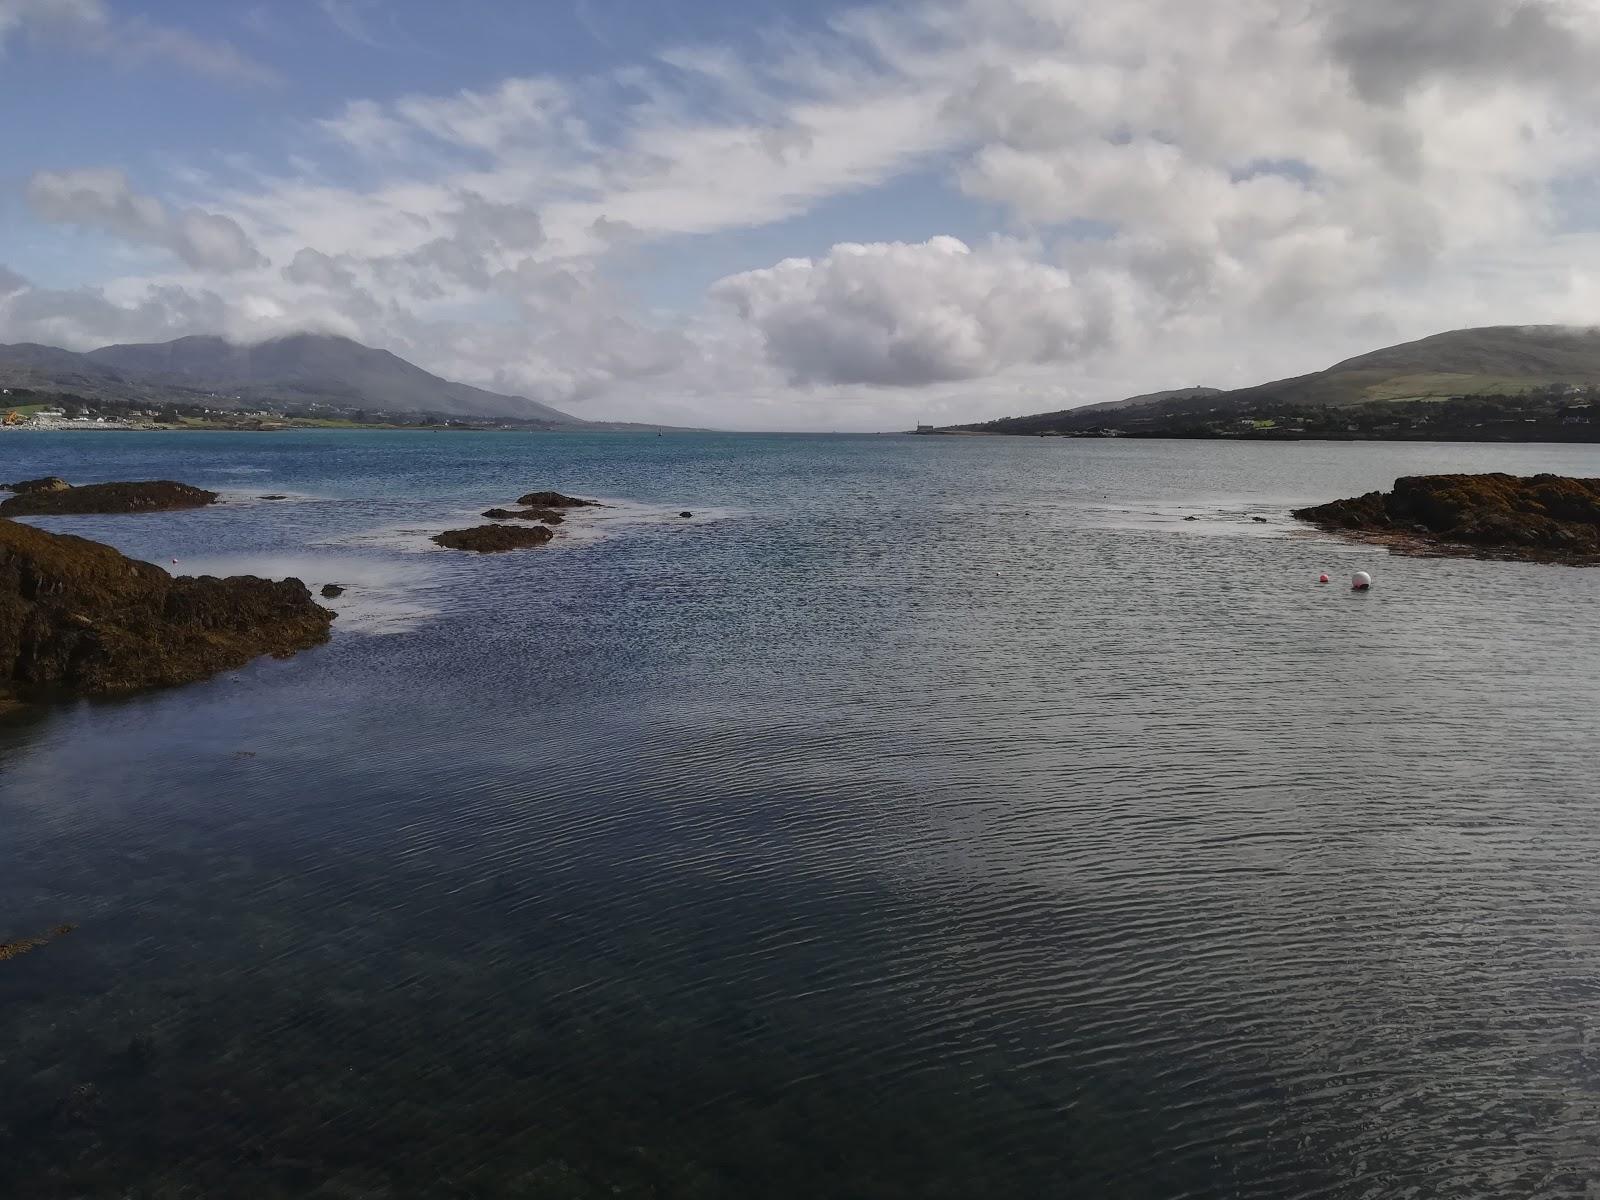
(1051, 420)
(1496, 360)
(45, 368)
(1189, 393)
(300, 369)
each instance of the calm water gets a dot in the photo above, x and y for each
(925, 818)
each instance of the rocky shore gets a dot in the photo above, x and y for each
(1539, 518)
(494, 539)
(556, 500)
(543, 507)
(77, 618)
(548, 515)
(56, 497)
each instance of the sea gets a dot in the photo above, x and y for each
(921, 817)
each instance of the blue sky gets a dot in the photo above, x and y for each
(777, 214)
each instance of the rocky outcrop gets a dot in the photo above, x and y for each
(158, 495)
(331, 591)
(494, 539)
(556, 500)
(1540, 518)
(50, 483)
(79, 619)
(548, 515)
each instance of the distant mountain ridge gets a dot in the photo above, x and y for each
(301, 368)
(1492, 360)
(1032, 424)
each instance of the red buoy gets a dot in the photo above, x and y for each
(1322, 578)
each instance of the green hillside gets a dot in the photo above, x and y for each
(1495, 361)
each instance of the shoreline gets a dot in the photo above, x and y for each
(1414, 545)
(1593, 439)
(1493, 516)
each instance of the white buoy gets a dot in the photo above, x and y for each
(1360, 581)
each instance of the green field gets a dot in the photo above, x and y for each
(1443, 385)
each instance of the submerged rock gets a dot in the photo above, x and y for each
(494, 539)
(79, 619)
(50, 483)
(1540, 518)
(686, 513)
(556, 500)
(23, 946)
(330, 590)
(548, 515)
(274, 497)
(156, 495)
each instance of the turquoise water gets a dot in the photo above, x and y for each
(924, 817)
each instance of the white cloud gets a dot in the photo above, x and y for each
(352, 18)
(1176, 193)
(905, 315)
(90, 27)
(84, 318)
(102, 198)
(312, 268)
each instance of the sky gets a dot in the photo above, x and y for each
(786, 214)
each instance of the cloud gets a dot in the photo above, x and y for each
(1256, 166)
(578, 335)
(351, 18)
(102, 198)
(366, 126)
(905, 315)
(526, 112)
(312, 268)
(1393, 47)
(1254, 189)
(662, 165)
(84, 318)
(481, 241)
(62, 19)
(89, 27)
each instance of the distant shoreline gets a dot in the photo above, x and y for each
(333, 427)
(1581, 437)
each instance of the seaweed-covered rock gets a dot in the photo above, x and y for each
(156, 495)
(556, 500)
(1550, 518)
(50, 483)
(21, 946)
(548, 515)
(79, 619)
(494, 539)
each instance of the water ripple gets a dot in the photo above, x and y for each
(936, 818)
